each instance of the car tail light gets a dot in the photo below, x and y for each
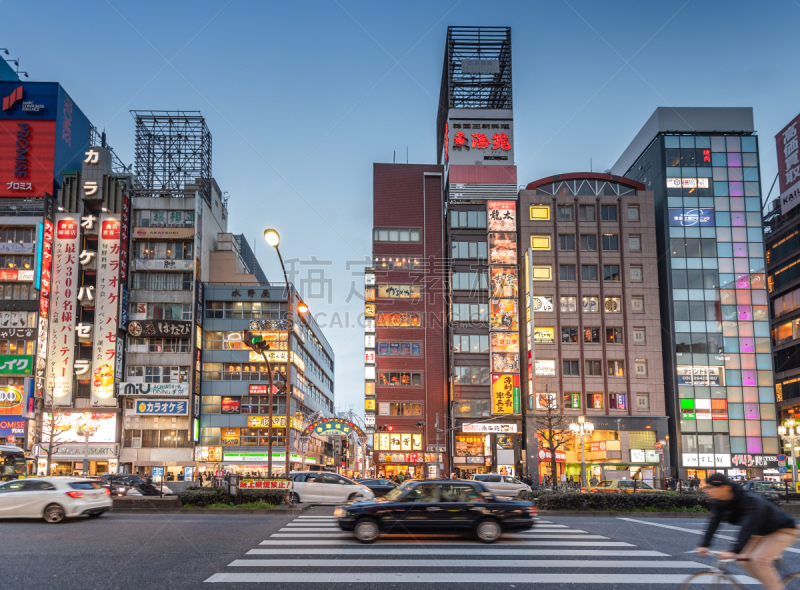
(533, 511)
(108, 492)
(75, 494)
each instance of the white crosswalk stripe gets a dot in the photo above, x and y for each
(312, 549)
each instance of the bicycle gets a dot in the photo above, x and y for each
(719, 577)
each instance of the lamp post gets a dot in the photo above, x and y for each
(581, 430)
(790, 433)
(274, 239)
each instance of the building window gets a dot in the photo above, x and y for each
(594, 401)
(616, 368)
(405, 348)
(141, 374)
(565, 213)
(540, 213)
(164, 345)
(608, 213)
(593, 368)
(540, 243)
(16, 347)
(468, 312)
(610, 243)
(470, 281)
(588, 243)
(400, 378)
(591, 335)
(642, 401)
(640, 368)
(146, 218)
(572, 401)
(236, 310)
(635, 243)
(470, 343)
(589, 272)
(569, 335)
(586, 213)
(164, 250)
(591, 305)
(617, 401)
(404, 409)
(611, 272)
(571, 368)
(614, 335)
(633, 212)
(472, 376)
(542, 273)
(566, 272)
(18, 291)
(398, 263)
(401, 235)
(469, 250)
(163, 281)
(212, 404)
(639, 336)
(398, 320)
(637, 304)
(569, 304)
(613, 305)
(472, 408)
(566, 242)
(636, 274)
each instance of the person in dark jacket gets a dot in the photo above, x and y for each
(766, 530)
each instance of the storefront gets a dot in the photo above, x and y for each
(487, 447)
(546, 465)
(409, 465)
(67, 459)
(252, 463)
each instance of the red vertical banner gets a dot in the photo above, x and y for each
(105, 312)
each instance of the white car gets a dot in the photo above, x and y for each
(53, 498)
(504, 485)
(321, 487)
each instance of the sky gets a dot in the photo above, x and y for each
(302, 97)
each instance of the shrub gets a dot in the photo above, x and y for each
(197, 496)
(619, 501)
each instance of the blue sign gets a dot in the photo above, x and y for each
(12, 426)
(782, 458)
(162, 408)
(123, 311)
(691, 218)
(158, 472)
(783, 469)
(188, 474)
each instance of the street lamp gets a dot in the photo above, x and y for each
(274, 239)
(790, 433)
(582, 429)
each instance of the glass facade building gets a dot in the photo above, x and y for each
(713, 292)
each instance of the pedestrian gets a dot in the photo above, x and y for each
(593, 481)
(765, 530)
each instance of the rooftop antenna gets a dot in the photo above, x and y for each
(590, 165)
(394, 157)
(406, 154)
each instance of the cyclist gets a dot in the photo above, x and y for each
(766, 530)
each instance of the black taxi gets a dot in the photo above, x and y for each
(436, 507)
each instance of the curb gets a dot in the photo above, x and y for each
(602, 514)
(279, 511)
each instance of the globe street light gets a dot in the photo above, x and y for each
(582, 429)
(790, 433)
(272, 237)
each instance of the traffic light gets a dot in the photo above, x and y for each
(255, 342)
(386, 428)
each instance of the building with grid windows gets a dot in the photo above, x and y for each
(701, 165)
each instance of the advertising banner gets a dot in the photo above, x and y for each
(16, 275)
(63, 295)
(231, 405)
(503, 315)
(489, 427)
(106, 308)
(502, 216)
(503, 248)
(786, 144)
(12, 426)
(160, 407)
(504, 281)
(691, 218)
(544, 335)
(230, 437)
(164, 233)
(156, 328)
(148, 264)
(250, 483)
(505, 362)
(31, 146)
(505, 394)
(45, 281)
(277, 422)
(176, 389)
(542, 303)
(12, 400)
(398, 291)
(14, 364)
(505, 341)
(72, 427)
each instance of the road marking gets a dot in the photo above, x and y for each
(535, 536)
(468, 563)
(310, 529)
(463, 549)
(308, 517)
(482, 578)
(694, 532)
(348, 540)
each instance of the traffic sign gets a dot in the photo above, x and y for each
(658, 445)
(782, 469)
(781, 457)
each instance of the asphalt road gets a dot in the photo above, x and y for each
(121, 551)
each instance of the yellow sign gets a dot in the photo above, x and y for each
(230, 437)
(277, 422)
(398, 291)
(369, 389)
(278, 356)
(369, 405)
(544, 335)
(369, 310)
(503, 393)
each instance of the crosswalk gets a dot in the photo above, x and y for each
(313, 550)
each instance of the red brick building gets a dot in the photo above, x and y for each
(408, 338)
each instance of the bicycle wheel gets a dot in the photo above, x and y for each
(792, 582)
(709, 581)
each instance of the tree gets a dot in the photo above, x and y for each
(552, 427)
(54, 421)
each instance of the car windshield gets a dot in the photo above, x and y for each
(605, 484)
(84, 485)
(394, 494)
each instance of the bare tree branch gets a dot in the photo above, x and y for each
(552, 427)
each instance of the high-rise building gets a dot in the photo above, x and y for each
(475, 125)
(590, 329)
(701, 165)
(405, 316)
(782, 240)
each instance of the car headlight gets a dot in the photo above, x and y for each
(338, 512)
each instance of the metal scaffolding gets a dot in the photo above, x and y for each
(476, 73)
(173, 149)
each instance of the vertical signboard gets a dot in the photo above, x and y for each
(789, 165)
(63, 295)
(45, 262)
(105, 315)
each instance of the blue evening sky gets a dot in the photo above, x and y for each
(302, 97)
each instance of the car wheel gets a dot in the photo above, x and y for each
(295, 499)
(488, 531)
(54, 514)
(366, 530)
